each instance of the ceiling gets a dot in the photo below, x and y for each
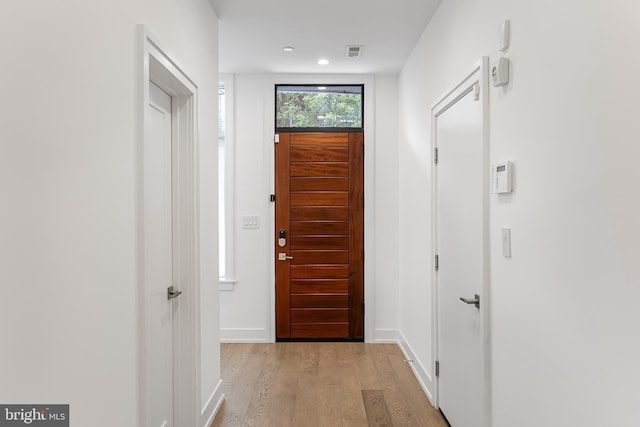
(253, 33)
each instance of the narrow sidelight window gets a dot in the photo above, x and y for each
(225, 178)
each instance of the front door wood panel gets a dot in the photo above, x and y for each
(320, 205)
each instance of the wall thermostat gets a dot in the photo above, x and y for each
(500, 72)
(503, 182)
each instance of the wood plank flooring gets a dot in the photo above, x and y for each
(321, 384)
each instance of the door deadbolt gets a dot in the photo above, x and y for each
(282, 238)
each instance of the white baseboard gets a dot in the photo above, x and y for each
(386, 336)
(425, 380)
(243, 335)
(212, 406)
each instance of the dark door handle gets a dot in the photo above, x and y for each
(172, 293)
(475, 301)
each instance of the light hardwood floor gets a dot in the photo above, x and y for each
(321, 384)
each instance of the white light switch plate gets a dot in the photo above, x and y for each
(250, 221)
(506, 242)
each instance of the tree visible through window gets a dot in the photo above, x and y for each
(327, 106)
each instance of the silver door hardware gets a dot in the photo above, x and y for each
(282, 238)
(282, 256)
(172, 293)
(475, 301)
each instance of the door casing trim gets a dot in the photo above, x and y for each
(156, 65)
(369, 194)
(478, 76)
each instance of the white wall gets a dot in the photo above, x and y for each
(386, 208)
(564, 308)
(67, 180)
(244, 311)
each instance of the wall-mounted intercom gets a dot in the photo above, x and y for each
(282, 238)
(503, 181)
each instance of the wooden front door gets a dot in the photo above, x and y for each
(320, 215)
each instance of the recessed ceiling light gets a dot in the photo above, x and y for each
(322, 88)
(323, 62)
(288, 48)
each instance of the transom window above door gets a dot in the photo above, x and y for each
(304, 108)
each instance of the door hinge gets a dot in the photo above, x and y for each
(363, 308)
(436, 262)
(276, 138)
(272, 197)
(437, 368)
(435, 155)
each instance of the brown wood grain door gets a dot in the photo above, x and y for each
(320, 206)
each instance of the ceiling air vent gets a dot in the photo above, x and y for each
(354, 51)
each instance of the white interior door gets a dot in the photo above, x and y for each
(459, 193)
(158, 260)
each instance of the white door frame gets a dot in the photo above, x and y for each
(477, 78)
(159, 67)
(369, 193)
